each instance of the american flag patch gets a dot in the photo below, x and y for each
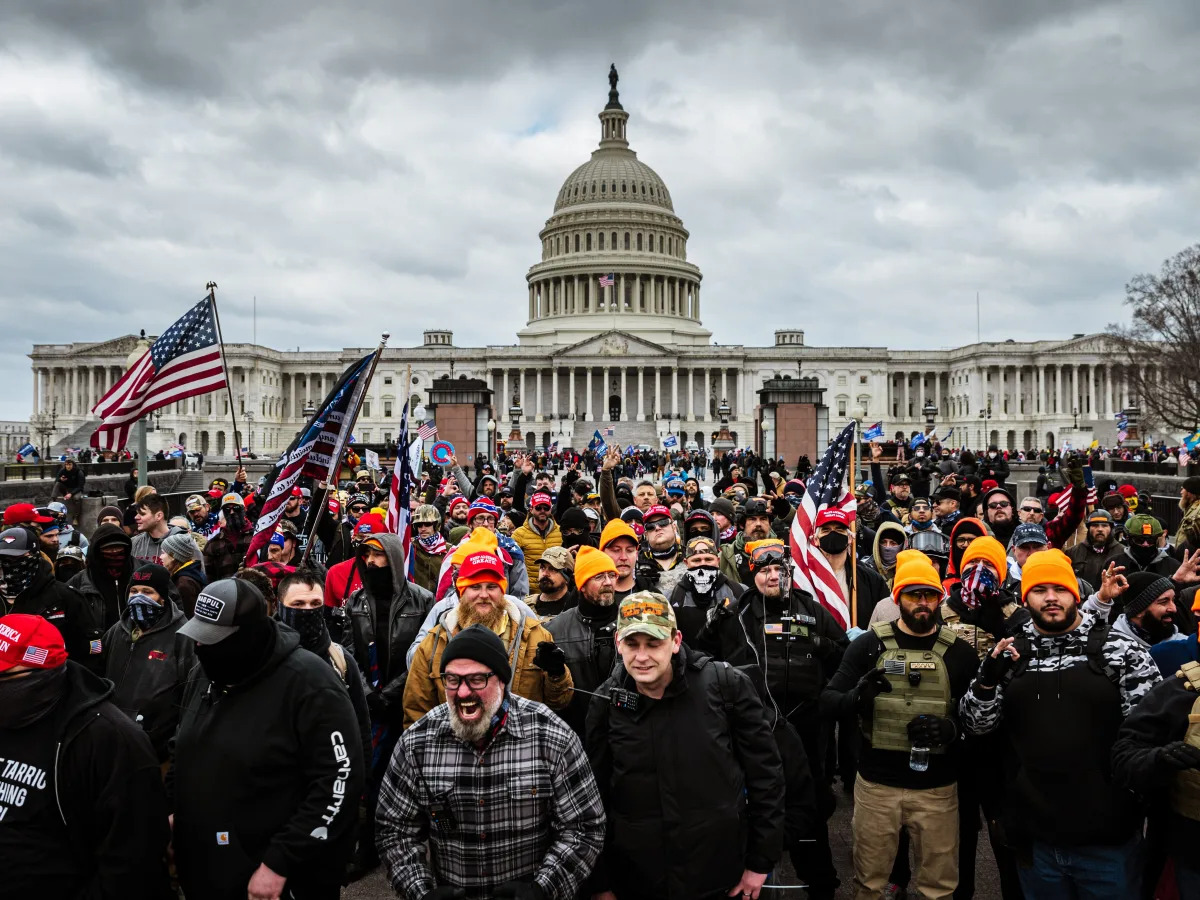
(34, 656)
(893, 667)
(95, 647)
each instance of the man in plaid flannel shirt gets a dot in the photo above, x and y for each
(497, 786)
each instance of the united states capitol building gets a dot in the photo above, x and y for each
(633, 356)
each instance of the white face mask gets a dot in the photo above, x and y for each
(703, 577)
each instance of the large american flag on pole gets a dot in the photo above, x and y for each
(399, 516)
(309, 454)
(825, 488)
(184, 362)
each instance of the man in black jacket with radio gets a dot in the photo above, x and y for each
(668, 838)
(795, 645)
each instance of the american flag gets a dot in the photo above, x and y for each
(825, 488)
(310, 453)
(607, 280)
(34, 656)
(609, 432)
(399, 516)
(427, 431)
(184, 362)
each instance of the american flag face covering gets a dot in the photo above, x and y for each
(978, 586)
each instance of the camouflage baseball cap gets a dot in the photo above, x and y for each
(646, 613)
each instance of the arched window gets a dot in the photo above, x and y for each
(643, 189)
(588, 240)
(600, 238)
(623, 188)
(558, 245)
(614, 187)
(614, 240)
(603, 187)
(627, 240)
(639, 240)
(660, 243)
(577, 243)
(593, 187)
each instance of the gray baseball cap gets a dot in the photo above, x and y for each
(222, 608)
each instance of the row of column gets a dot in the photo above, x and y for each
(1091, 390)
(630, 292)
(537, 391)
(72, 391)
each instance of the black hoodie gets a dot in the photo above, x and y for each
(267, 771)
(68, 611)
(105, 594)
(95, 826)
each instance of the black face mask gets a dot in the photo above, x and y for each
(1142, 554)
(17, 574)
(573, 540)
(309, 624)
(239, 656)
(25, 699)
(235, 519)
(378, 581)
(835, 542)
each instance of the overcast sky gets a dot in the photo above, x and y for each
(858, 170)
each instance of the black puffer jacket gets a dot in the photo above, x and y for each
(150, 673)
(96, 826)
(410, 605)
(67, 610)
(692, 783)
(267, 772)
(105, 593)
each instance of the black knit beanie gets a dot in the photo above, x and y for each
(1144, 589)
(482, 645)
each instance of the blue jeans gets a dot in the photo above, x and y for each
(1096, 872)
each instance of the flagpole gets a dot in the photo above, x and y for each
(237, 444)
(851, 561)
(335, 458)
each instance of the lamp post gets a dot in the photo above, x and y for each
(491, 430)
(985, 416)
(515, 441)
(930, 412)
(249, 433)
(858, 414)
(1075, 418)
(766, 431)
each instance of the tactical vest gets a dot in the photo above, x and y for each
(1185, 787)
(920, 685)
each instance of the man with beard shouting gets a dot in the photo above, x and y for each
(538, 668)
(496, 785)
(904, 680)
(1058, 692)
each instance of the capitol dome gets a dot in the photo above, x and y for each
(614, 254)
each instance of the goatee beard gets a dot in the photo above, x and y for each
(472, 732)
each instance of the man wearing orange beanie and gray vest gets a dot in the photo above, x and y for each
(904, 681)
(1057, 693)
(539, 668)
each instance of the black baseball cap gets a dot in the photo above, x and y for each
(222, 608)
(756, 506)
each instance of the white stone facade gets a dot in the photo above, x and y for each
(634, 356)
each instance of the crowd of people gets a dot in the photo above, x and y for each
(590, 675)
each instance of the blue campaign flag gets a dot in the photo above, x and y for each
(27, 450)
(1192, 441)
(597, 444)
(875, 431)
(918, 440)
(670, 442)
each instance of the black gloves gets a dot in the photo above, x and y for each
(377, 706)
(720, 611)
(519, 890)
(868, 688)
(1177, 756)
(551, 659)
(446, 893)
(993, 669)
(931, 731)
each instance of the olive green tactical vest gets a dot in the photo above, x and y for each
(920, 685)
(1185, 787)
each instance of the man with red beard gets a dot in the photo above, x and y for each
(496, 786)
(539, 668)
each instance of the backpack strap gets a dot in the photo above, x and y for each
(1093, 648)
(337, 655)
(886, 634)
